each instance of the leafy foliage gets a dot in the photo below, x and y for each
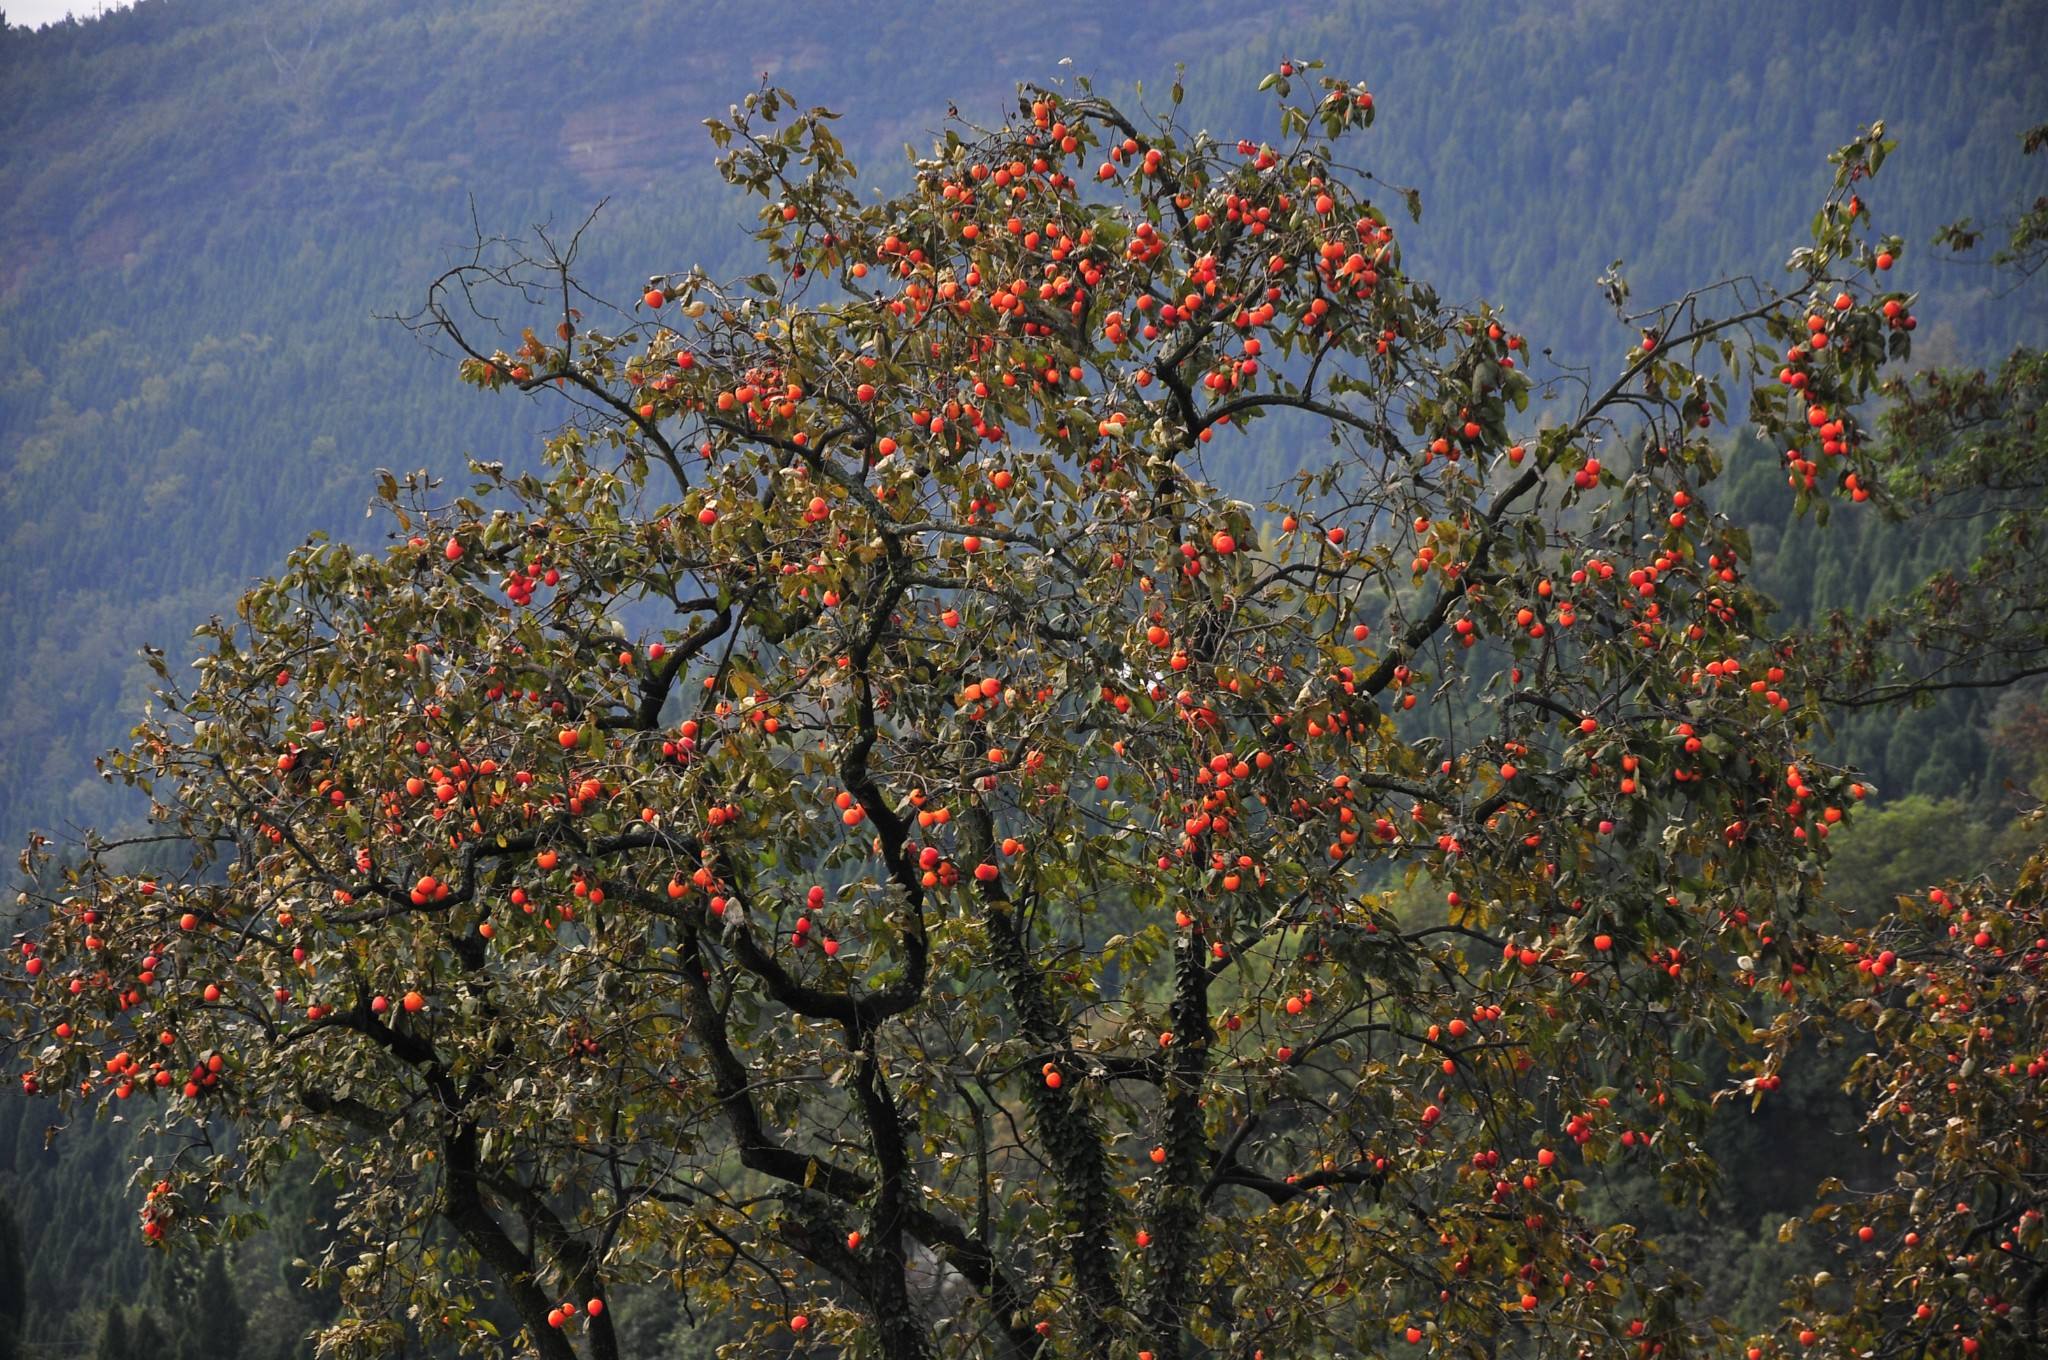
(1970, 442)
(1949, 1251)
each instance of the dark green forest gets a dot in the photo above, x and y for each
(211, 210)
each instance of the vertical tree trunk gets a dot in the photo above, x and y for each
(1173, 1209)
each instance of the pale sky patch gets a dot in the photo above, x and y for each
(36, 13)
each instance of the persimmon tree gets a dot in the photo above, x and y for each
(1961, 445)
(1943, 998)
(879, 837)
(1947, 995)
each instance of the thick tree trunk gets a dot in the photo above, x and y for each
(1173, 1209)
(514, 1268)
(1068, 1132)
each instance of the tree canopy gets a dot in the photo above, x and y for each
(875, 840)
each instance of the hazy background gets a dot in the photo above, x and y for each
(206, 205)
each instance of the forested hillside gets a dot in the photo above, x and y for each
(209, 209)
